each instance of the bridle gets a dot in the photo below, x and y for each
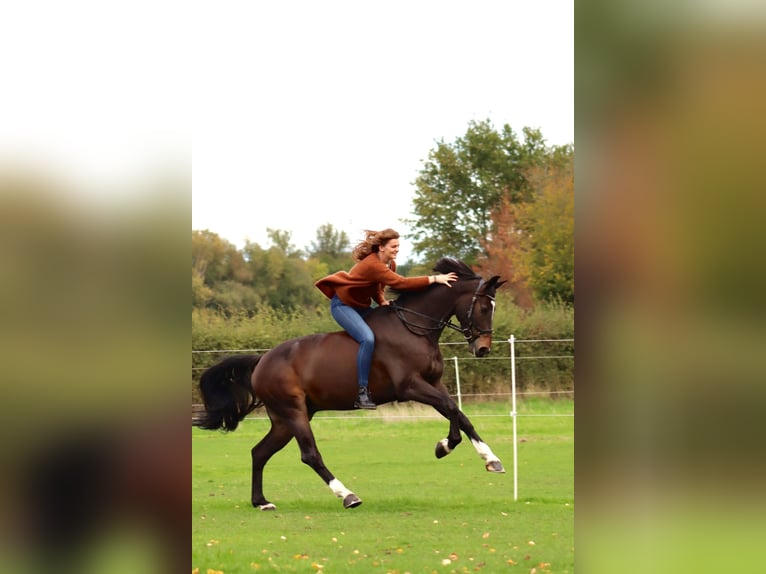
(469, 331)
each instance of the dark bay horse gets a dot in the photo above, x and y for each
(313, 373)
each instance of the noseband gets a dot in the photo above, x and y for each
(468, 332)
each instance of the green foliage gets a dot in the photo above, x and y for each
(281, 240)
(546, 248)
(463, 182)
(234, 282)
(332, 248)
(215, 259)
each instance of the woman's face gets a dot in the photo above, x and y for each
(389, 250)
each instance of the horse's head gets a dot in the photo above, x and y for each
(471, 299)
(476, 312)
(475, 305)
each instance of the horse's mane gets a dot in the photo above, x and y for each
(444, 265)
(452, 265)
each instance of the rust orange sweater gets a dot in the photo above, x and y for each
(366, 281)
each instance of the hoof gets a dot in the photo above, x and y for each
(442, 449)
(267, 506)
(494, 466)
(351, 501)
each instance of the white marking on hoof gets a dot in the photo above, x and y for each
(268, 506)
(338, 489)
(445, 445)
(484, 451)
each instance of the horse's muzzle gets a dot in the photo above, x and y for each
(482, 351)
(482, 345)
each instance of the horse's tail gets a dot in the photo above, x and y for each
(227, 393)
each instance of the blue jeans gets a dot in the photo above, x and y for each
(352, 320)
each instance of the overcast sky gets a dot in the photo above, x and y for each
(300, 113)
(315, 113)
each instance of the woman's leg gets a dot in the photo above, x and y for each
(355, 325)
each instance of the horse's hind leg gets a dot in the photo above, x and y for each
(310, 456)
(275, 440)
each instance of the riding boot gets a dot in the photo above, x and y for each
(363, 401)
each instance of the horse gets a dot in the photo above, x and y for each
(313, 373)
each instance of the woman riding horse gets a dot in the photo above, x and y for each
(303, 376)
(352, 293)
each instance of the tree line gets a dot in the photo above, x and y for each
(504, 204)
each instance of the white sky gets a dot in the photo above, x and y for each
(300, 112)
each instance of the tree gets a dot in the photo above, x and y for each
(281, 239)
(532, 245)
(201, 293)
(462, 183)
(501, 253)
(542, 252)
(331, 247)
(214, 259)
(281, 277)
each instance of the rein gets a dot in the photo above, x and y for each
(467, 332)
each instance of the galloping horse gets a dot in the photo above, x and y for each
(313, 373)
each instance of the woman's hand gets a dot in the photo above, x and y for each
(445, 279)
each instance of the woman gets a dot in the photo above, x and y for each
(352, 293)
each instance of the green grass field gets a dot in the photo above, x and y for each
(419, 514)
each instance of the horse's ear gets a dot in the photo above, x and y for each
(493, 283)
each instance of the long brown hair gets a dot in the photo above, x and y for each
(372, 242)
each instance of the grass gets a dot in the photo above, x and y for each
(420, 514)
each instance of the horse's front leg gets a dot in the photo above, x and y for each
(437, 396)
(491, 461)
(453, 438)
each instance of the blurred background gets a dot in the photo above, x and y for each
(95, 188)
(670, 282)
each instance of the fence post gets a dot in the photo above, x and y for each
(457, 382)
(512, 342)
